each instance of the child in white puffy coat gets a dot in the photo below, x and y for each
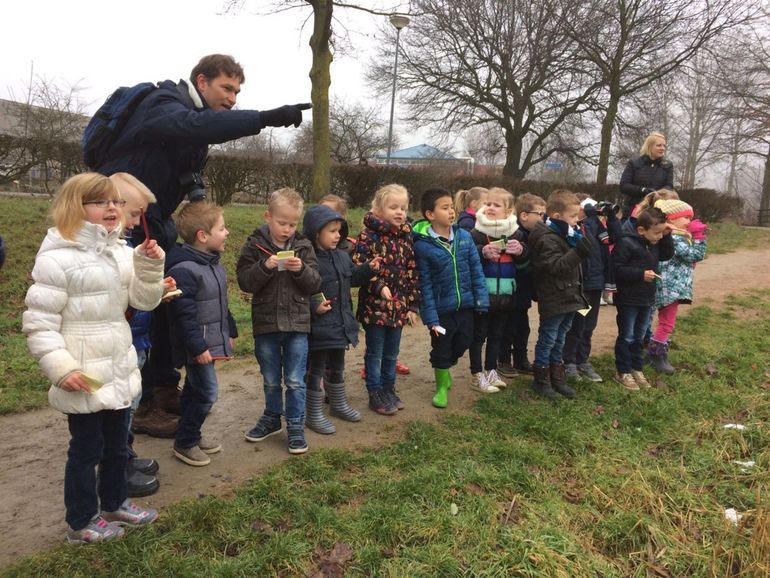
(85, 277)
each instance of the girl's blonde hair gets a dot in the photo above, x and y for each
(650, 141)
(339, 204)
(464, 198)
(384, 192)
(132, 181)
(650, 198)
(506, 195)
(68, 212)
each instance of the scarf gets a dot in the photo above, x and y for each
(561, 228)
(495, 228)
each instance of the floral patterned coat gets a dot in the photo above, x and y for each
(677, 273)
(398, 272)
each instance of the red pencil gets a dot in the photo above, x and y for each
(261, 248)
(221, 358)
(144, 224)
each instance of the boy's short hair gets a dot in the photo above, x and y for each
(212, 65)
(384, 192)
(560, 200)
(132, 181)
(430, 197)
(650, 217)
(528, 202)
(340, 204)
(285, 196)
(194, 217)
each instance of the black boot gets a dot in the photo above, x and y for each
(559, 380)
(139, 484)
(542, 383)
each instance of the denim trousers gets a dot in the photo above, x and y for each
(550, 338)
(96, 439)
(382, 345)
(577, 345)
(326, 362)
(198, 397)
(282, 357)
(141, 358)
(633, 322)
(487, 327)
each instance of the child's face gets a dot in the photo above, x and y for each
(527, 219)
(494, 208)
(329, 236)
(653, 234)
(681, 222)
(134, 205)
(478, 203)
(393, 210)
(109, 217)
(214, 240)
(443, 213)
(569, 216)
(282, 222)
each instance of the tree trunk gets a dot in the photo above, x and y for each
(320, 78)
(513, 151)
(608, 124)
(764, 204)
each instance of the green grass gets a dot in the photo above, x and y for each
(612, 484)
(726, 237)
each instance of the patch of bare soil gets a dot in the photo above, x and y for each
(34, 445)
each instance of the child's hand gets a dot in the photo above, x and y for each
(74, 382)
(386, 294)
(169, 285)
(513, 247)
(324, 307)
(204, 358)
(376, 264)
(294, 264)
(411, 318)
(151, 249)
(490, 251)
(650, 275)
(232, 343)
(271, 262)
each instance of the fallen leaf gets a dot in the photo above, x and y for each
(261, 527)
(741, 415)
(653, 451)
(574, 495)
(475, 489)
(711, 369)
(453, 509)
(331, 564)
(606, 435)
(615, 424)
(599, 410)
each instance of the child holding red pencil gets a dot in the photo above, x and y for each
(202, 328)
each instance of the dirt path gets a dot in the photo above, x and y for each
(33, 445)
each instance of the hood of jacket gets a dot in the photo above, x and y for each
(495, 227)
(179, 254)
(317, 217)
(420, 230)
(90, 235)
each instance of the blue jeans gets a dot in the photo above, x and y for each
(283, 356)
(550, 339)
(633, 322)
(198, 397)
(382, 344)
(97, 439)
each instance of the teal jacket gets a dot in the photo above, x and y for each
(676, 274)
(451, 277)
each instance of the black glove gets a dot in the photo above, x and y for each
(584, 247)
(647, 191)
(287, 115)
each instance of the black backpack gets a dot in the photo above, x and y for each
(105, 126)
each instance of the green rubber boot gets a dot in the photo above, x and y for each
(443, 379)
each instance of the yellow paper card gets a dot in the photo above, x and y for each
(93, 384)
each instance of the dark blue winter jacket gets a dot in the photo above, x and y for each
(139, 321)
(337, 328)
(466, 220)
(451, 277)
(632, 256)
(525, 279)
(597, 266)
(199, 318)
(166, 138)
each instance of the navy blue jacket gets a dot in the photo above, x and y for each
(597, 266)
(166, 138)
(525, 280)
(645, 173)
(466, 220)
(139, 321)
(632, 256)
(199, 318)
(451, 277)
(337, 328)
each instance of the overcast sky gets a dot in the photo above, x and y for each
(100, 45)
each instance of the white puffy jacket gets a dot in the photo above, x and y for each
(75, 318)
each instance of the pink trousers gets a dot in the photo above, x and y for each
(666, 322)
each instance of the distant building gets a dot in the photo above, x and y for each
(425, 156)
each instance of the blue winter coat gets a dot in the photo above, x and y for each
(337, 328)
(451, 277)
(466, 220)
(199, 318)
(140, 322)
(597, 266)
(632, 256)
(168, 137)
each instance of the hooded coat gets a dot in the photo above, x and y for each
(75, 318)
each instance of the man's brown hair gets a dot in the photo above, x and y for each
(213, 65)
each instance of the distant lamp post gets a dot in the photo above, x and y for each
(398, 21)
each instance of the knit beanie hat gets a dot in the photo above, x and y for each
(674, 208)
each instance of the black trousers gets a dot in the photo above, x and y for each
(447, 349)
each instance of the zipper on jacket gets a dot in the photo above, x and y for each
(454, 270)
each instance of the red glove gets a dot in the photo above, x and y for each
(513, 247)
(698, 230)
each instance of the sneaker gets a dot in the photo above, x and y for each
(494, 380)
(393, 398)
(209, 446)
(401, 368)
(507, 370)
(524, 366)
(266, 426)
(479, 383)
(297, 443)
(627, 380)
(192, 456)
(571, 372)
(380, 403)
(640, 380)
(97, 530)
(129, 514)
(587, 371)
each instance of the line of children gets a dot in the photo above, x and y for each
(452, 286)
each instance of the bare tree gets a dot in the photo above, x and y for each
(485, 144)
(504, 62)
(637, 42)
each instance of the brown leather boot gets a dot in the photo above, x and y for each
(542, 383)
(559, 380)
(168, 399)
(151, 420)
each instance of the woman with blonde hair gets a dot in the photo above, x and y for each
(647, 173)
